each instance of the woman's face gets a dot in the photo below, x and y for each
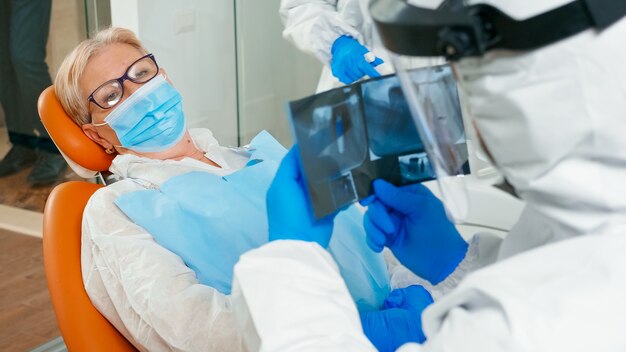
(110, 63)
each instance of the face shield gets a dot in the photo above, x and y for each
(455, 30)
(433, 103)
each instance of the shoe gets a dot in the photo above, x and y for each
(48, 169)
(17, 159)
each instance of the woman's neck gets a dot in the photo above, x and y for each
(186, 148)
(199, 155)
(190, 150)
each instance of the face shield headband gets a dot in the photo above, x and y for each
(455, 30)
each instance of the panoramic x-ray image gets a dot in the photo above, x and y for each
(388, 136)
(352, 135)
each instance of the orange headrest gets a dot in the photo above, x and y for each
(75, 146)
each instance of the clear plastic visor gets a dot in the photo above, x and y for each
(432, 96)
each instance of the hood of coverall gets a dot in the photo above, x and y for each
(554, 121)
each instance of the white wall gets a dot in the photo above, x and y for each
(271, 71)
(124, 14)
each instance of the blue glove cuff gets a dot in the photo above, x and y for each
(456, 257)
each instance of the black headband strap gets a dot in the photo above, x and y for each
(456, 31)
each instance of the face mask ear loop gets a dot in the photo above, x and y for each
(99, 124)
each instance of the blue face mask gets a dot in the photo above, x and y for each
(149, 120)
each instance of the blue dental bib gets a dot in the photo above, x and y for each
(210, 221)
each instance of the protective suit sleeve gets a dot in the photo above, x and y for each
(288, 296)
(546, 299)
(144, 290)
(483, 250)
(314, 25)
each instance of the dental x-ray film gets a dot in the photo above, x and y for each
(352, 135)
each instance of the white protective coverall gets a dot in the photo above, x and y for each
(143, 289)
(554, 120)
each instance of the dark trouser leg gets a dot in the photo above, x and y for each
(29, 26)
(8, 93)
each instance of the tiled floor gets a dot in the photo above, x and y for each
(4, 141)
(26, 316)
(22, 221)
(16, 192)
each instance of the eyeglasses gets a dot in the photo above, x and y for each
(110, 93)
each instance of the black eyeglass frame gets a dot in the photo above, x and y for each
(123, 78)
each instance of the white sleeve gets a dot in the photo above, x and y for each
(314, 25)
(540, 300)
(483, 250)
(289, 296)
(147, 292)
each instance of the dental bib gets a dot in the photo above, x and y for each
(210, 221)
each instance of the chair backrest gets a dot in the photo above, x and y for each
(82, 326)
(85, 156)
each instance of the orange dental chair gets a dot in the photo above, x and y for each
(82, 326)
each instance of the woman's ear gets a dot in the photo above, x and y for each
(90, 131)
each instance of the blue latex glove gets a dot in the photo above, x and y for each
(348, 60)
(288, 212)
(412, 222)
(400, 319)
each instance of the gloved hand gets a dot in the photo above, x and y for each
(348, 61)
(400, 319)
(412, 222)
(288, 212)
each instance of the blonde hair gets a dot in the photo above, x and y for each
(66, 83)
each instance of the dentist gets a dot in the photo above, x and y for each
(546, 84)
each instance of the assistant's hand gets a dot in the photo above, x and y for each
(412, 222)
(400, 319)
(348, 61)
(288, 212)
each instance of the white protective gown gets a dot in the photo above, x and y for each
(143, 289)
(554, 120)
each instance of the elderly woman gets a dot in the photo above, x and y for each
(158, 270)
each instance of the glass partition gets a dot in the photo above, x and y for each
(271, 71)
(97, 15)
